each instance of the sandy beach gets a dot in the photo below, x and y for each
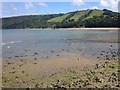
(91, 28)
(112, 28)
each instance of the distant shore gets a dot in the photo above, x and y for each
(71, 28)
(91, 28)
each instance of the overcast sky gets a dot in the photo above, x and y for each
(32, 8)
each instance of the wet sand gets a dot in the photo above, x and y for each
(60, 72)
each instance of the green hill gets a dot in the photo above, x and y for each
(76, 19)
(59, 19)
(78, 15)
(95, 12)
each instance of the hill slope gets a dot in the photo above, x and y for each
(58, 19)
(83, 18)
(95, 12)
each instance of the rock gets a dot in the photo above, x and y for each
(117, 85)
(36, 53)
(51, 86)
(113, 74)
(52, 51)
(16, 56)
(113, 55)
(63, 49)
(9, 57)
(111, 45)
(86, 83)
(12, 71)
(106, 86)
(35, 63)
(39, 85)
(57, 55)
(96, 79)
(98, 57)
(93, 72)
(101, 80)
(102, 73)
(9, 63)
(106, 62)
(20, 65)
(68, 50)
(25, 55)
(23, 71)
(59, 84)
(107, 58)
(47, 57)
(35, 59)
(104, 65)
(53, 74)
(101, 53)
(21, 60)
(78, 58)
(25, 50)
(112, 79)
(111, 66)
(97, 66)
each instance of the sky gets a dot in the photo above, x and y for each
(19, 8)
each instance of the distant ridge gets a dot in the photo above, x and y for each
(76, 19)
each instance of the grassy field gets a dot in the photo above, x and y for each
(95, 13)
(78, 15)
(58, 19)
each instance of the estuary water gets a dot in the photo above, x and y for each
(42, 44)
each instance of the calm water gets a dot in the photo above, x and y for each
(51, 43)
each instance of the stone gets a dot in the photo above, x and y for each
(101, 80)
(39, 85)
(23, 71)
(36, 53)
(97, 65)
(111, 45)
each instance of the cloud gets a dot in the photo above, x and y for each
(94, 7)
(111, 4)
(42, 4)
(29, 5)
(78, 2)
(14, 8)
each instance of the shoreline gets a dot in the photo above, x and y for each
(69, 29)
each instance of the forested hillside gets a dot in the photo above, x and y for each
(76, 19)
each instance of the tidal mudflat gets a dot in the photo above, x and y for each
(60, 58)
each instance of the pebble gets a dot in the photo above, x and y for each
(97, 66)
(23, 71)
(9, 57)
(35, 63)
(36, 53)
